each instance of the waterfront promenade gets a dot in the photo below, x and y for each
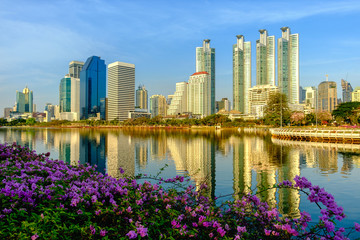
(317, 135)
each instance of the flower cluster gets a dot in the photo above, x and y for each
(42, 198)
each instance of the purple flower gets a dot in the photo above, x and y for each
(92, 229)
(103, 232)
(142, 231)
(35, 236)
(221, 231)
(79, 212)
(131, 234)
(357, 227)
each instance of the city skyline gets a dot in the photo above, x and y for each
(42, 38)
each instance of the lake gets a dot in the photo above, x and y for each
(228, 161)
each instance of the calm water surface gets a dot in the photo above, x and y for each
(227, 161)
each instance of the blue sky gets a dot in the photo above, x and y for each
(38, 39)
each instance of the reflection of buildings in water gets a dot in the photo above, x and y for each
(347, 163)
(310, 158)
(201, 163)
(356, 160)
(197, 157)
(241, 166)
(48, 138)
(223, 146)
(327, 159)
(24, 138)
(92, 150)
(141, 153)
(120, 154)
(289, 200)
(178, 151)
(158, 147)
(68, 143)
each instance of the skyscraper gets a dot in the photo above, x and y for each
(199, 94)
(241, 74)
(69, 98)
(93, 88)
(310, 96)
(265, 59)
(75, 68)
(327, 96)
(356, 95)
(205, 62)
(121, 90)
(346, 91)
(288, 65)
(142, 97)
(178, 103)
(158, 106)
(24, 101)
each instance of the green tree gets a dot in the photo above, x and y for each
(277, 110)
(30, 121)
(3, 122)
(347, 112)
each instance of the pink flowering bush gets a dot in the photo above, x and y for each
(42, 198)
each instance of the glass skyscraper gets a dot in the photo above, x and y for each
(92, 88)
(241, 74)
(24, 101)
(205, 62)
(288, 65)
(265, 59)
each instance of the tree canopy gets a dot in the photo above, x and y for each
(347, 112)
(276, 110)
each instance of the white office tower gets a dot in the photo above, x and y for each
(288, 65)
(178, 103)
(121, 90)
(198, 95)
(265, 59)
(205, 62)
(241, 74)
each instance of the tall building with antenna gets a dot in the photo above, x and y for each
(288, 65)
(241, 74)
(265, 59)
(205, 62)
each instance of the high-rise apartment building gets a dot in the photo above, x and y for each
(346, 91)
(7, 112)
(265, 59)
(121, 90)
(178, 103)
(158, 106)
(288, 65)
(259, 97)
(355, 95)
(205, 62)
(302, 94)
(24, 101)
(199, 94)
(327, 96)
(310, 97)
(142, 97)
(69, 98)
(75, 68)
(241, 74)
(224, 104)
(93, 88)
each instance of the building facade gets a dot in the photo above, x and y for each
(311, 97)
(69, 99)
(142, 97)
(121, 77)
(327, 96)
(205, 62)
(288, 65)
(199, 94)
(224, 104)
(158, 106)
(346, 91)
(75, 68)
(259, 98)
(93, 88)
(355, 95)
(24, 101)
(241, 74)
(178, 104)
(265, 59)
